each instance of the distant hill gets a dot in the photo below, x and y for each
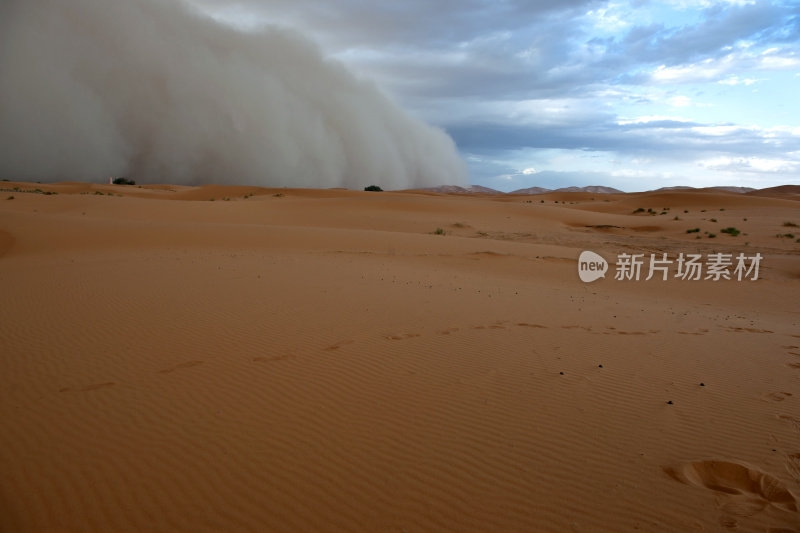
(594, 189)
(739, 190)
(733, 189)
(455, 189)
(531, 190)
(676, 188)
(782, 191)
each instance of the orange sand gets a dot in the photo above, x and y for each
(321, 361)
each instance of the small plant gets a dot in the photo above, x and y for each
(439, 231)
(713, 220)
(541, 201)
(685, 210)
(702, 210)
(789, 235)
(10, 197)
(123, 181)
(373, 188)
(639, 210)
(459, 225)
(733, 232)
(722, 209)
(712, 235)
(676, 218)
(278, 195)
(790, 224)
(663, 213)
(695, 230)
(744, 219)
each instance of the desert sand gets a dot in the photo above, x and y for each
(325, 360)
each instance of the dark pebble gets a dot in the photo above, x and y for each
(702, 384)
(599, 366)
(561, 373)
(670, 402)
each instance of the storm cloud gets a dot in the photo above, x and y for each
(160, 92)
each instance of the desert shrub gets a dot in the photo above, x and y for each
(123, 181)
(694, 230)
(733, 232)
(373, 188)
(439, 231)
(790, 224)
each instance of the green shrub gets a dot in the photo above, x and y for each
(123, 181)
(373, 188)
(790, 224)
(733, 232)
(439, 231)
(695, 230)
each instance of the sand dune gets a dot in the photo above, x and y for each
(304, 360)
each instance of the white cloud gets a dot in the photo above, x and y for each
(736, 80)
(750, 164)
(651, 118)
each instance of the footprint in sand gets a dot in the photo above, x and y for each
(777, 396)
(338, 345)
(187, 364)
(750, 330)
(85, 388)
(401, 336)
(743, 491)
(792, 420)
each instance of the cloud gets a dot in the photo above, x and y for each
(158, 92)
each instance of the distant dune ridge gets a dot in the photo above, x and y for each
(162, 94)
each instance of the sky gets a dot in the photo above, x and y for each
(633, 94)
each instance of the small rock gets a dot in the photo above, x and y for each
(702, 384)
(670, 402)
(561, 373)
